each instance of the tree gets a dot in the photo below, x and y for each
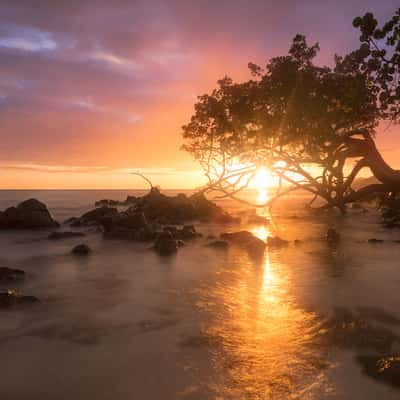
(312, 126)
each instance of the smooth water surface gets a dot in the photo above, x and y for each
(124, 323)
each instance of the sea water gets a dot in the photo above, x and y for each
(124, 323)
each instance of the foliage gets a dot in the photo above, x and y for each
(303, 121)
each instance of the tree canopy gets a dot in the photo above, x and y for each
(312, 126)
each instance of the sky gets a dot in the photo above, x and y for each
(91, 91)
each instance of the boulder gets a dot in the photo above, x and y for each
(246, 240)
(10, 274)
(29, 214)
(58, 235)
(165, 244)
(81, 250)
(98, 215)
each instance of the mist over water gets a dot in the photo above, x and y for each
(124, 323)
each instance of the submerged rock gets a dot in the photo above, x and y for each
(29, 214)
(218, 244)
(385, 369)
(10, 274)
(81, 249)
(332, 236)
(165, 244)
(64, 235)
(187, 232)
(246, 240)
(276, 241)
(11, 298)
(374, 240)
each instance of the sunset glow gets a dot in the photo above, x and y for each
(75, 94)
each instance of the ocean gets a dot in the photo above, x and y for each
(124, 323)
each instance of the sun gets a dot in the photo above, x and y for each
(262, 181)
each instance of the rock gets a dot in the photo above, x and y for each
(81, 249)
(247, 240)
(107, 203)
(136, 220)
(98, 215)
(11, 298)
(374, 240)
(165, 244)
(219, 244)
(130, 200)
(71, 221)
(128, 226)
(332, 236)
(10, 274)
(167, 210)
(29, 214)
(276, 241)
(64, 235)
(382, 368)
(187, 232)
(297, 241)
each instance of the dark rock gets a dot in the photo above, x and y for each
(374, 240)
(297, 241)
(165, 244)
(131, 221)
(276, 241)
(64, 235)
(10, 274)
(128, 226)
(71, 221)
(187, 232)
(145, 234)
(98, 215)
(29, 214)
(385, 369)
(81, 249)
(107, 203)
(11, 298)
(332, 236)
(247, 240)
(180, 243)
(130, 200)
(219, 244)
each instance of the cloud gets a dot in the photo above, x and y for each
(111, 82)
(28, 39)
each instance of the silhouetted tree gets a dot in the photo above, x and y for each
(312, 126)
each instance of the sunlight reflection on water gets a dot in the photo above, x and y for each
(265, 341)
